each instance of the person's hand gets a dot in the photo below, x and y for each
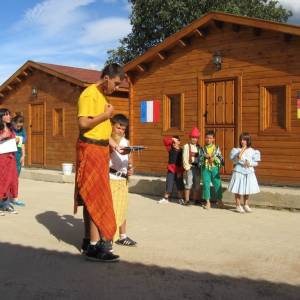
(17, 140)
(207, 156)
(109, 109)
(120, 149)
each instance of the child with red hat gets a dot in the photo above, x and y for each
(190, 158)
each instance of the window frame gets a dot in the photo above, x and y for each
(54, 120)
(265, 113)
(167, 114)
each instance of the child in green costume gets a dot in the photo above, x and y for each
(210, 162)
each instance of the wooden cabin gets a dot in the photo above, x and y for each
(46, 95)
(227, 73)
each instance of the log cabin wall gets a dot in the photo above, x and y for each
(51, 117)
(258, 62)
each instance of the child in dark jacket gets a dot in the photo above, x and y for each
(175, 169)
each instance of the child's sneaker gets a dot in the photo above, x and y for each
(126, 242)
(240, 209)
(163, 201)
(17, 202)
(247, 208)
(8, 207)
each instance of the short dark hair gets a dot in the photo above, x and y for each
(17, 119)
(113, 70)
(3, 112)
(210, 132)
(177, 137)
(120, 119)
(245, 136)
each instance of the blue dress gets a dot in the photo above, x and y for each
(243, 180)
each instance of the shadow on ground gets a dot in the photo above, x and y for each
(65, 228)
(35, 273)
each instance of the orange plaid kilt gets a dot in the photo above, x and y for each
(93, 188)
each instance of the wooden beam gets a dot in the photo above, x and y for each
(18, 79)
(182, 43)
(161, 55)
(1, 95)
(141, 68)
(199, 33)
(9, 87)
(25, 73)
(236, 27)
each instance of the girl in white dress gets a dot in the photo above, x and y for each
(243, 181)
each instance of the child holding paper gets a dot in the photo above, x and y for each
(8, 165)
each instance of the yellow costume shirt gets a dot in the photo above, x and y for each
(92, 103)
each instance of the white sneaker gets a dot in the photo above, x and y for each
(163, 201)
(240, 209)
(247, 208)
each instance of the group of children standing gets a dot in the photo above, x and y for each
(187, 165)
(11, 161)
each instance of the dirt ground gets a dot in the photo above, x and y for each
(182, 253)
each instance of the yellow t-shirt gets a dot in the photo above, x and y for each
(91, 103)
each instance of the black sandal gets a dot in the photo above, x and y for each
(126, 242)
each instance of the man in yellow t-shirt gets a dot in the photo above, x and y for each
(92, 187)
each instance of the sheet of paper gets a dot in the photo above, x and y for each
(8, 146)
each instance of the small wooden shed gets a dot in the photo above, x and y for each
(46, 95)
(227, 73)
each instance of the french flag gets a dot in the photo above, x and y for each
(150, 111)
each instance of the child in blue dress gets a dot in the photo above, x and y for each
(19, 130)
(243, 180)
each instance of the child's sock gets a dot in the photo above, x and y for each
(123, 236)
(93, 243)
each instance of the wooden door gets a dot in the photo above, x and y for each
(37, 134)
(220, 101)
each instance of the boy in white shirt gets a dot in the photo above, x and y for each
(120, 168)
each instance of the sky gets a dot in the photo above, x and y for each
(68, 32)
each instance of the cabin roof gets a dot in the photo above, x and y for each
(200, 28)
(77, 76)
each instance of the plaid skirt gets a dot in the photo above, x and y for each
(93, 188)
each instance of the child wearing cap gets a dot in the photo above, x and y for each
(190, 159)
(175, 170)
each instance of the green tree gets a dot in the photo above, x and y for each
(154, 20)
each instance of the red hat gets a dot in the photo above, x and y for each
(195, 132)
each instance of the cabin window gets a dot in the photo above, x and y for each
(173, 112)
(275, 109)
(58, 122)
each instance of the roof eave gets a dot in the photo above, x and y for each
(212, 16)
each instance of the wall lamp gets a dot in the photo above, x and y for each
(34, 91)
(217, 60)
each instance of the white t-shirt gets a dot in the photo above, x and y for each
(119, 162)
